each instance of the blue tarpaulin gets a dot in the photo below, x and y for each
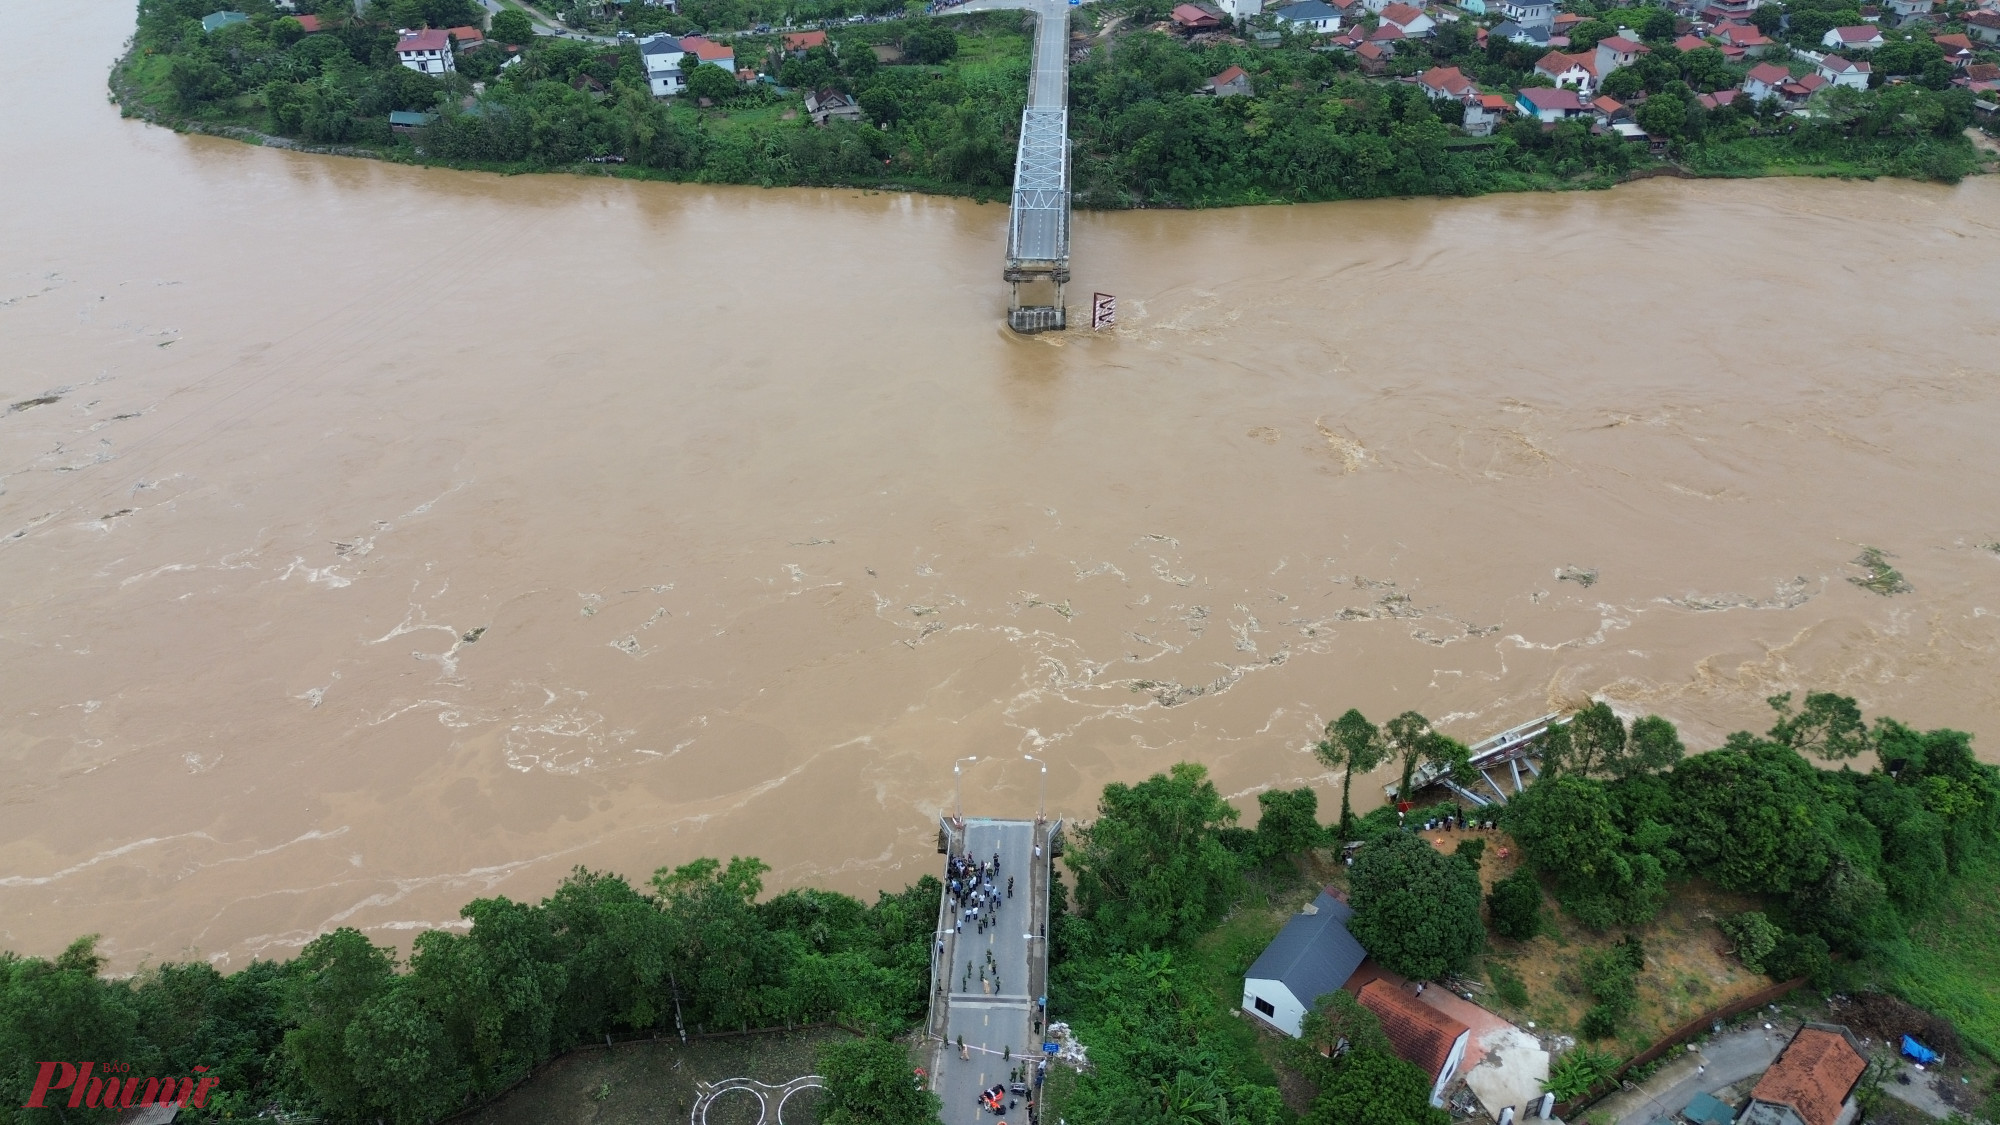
(1919, 1052)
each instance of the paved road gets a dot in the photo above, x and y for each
(1723, 1060)
(994, 1022)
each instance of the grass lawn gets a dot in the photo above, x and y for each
(1952, 962)
(647, 1083)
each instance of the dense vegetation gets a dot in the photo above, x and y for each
(340, 1032)
(1883, 877)
(1845, 861)
(946, 118)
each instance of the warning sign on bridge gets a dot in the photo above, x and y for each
(1103, 311)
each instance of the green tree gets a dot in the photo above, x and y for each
(1339, 1025)
(1653, 746)
(1656, 25)
(1151, 868)
(1287, 823)
(1828, 725)
(930, 42)
(1751, 817)
(59, 1009)
(1375, 1088)
(1584, 36)
(1352, 745)
(1416, 910)
(338, 975)
(1662, 115)
(1754, 936)
(1577, 1071)
(1407, 738)
(712, 82)
(1516, 905)
(512, 25)
(869, 1081)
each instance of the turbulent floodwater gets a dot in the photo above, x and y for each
(375, 538)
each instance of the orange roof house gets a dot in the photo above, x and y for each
(1812, 1082)
(1421, 1034)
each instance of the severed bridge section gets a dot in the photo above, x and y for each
(1038, 222)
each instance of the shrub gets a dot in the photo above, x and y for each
(1516, 903)
(1755, 937)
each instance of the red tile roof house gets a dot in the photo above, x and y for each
(1813, 1081)
(1568, 70)
(1842, 72)
(1231, 83)
(797, 43)
(1442, 83)
(1764, 80)
(1187, 17)
(427, 51)
(1690, 42)
(1374, 56)
(309, 22)
(1860, 37)
(1411, 21)
(1719, 99)
(1752, 41)
(714, 54)
(1958, 50)
(1614, 51)
(1419, 1033)
(467, 38)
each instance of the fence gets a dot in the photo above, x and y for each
(1689, 1030)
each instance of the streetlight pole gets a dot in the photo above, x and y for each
(1041, 803)
(958, 789)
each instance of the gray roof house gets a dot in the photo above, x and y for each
(1310, 17)
(1311, 957)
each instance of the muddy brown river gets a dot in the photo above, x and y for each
(375, 538)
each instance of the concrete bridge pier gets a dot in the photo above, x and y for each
(1035, 302)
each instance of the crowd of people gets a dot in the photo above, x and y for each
(976, 891)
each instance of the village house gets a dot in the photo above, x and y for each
(1385, 34)
(1763, 81)
(1374, 57)
(1958, 50)
(1418, 1033)
(1242, 9)
(1191, 18)
(1690, 42)
(1745, 38)
(1530, 13)
(662, 54)
(1910, 11)
(1983, 26)
(1446, 83)
(1813, 1081)
(1574, 71)
(795, 44)
(1412, 22)
(1610, 110)
(1550, 106)
(1309, 18)
(427, 51)
(1564, 21)
(1719, 99)
(466, 38)
(1841, 72)
(1535, 36)
(1483, 113)
(1720, 10)
(1231, 83)
(710, 52)
(309, 22)
(1861, 37)
(1616, 51)
(1312, 956)
(828, 104)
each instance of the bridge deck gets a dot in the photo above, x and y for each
(1002, 1026)
(1038, 226)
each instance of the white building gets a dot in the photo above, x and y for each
(1841, 72)
(1311, 957)
(662, 54)
(1310, 17)
(1242, 9)
(427, 51)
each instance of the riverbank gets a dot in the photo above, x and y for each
(1314, 130)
